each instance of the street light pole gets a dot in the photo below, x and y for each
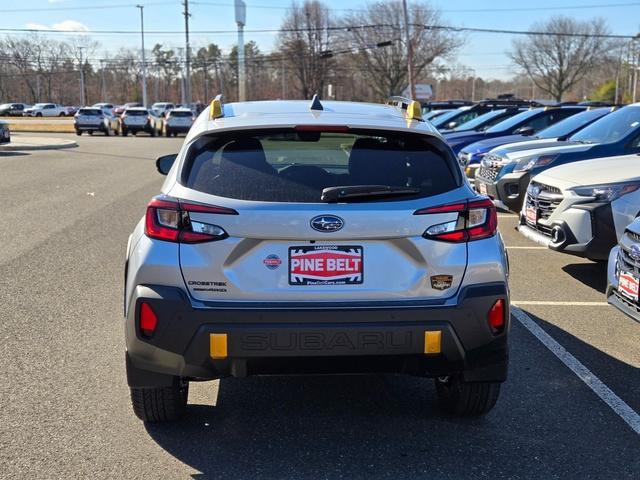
(187, 79)
(241, 15)
(407, 36)
(82, 95)
(144, 63)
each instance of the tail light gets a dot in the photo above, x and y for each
(476, 220)
(169, 220)
(148, 320)
(495, 317)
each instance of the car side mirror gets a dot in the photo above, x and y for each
(452, 125)
(165, 162)
(525, 131)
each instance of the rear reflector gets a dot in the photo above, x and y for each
(218, 345)
(433, 342)
(495, 318)
(148, 320)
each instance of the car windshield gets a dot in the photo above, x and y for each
(571, 124)
(90, 111)
(611, 128)
(442, 120)
(514, 121)
(286, 165)
(482, 120)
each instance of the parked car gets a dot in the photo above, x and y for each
(582, 208)
(471, 156)
(430, 115)
(467, 113)
(91, 119)
(484, 121)
(104, 106)
(268, 252)
(444, 105)
(505, 177)
(163, 107)
(178, 120)
(525, 123)
(139, 119)
(623, 272)
(13, 109)
(69, 111)
(44, 110)
(118, 110)
(5, 134)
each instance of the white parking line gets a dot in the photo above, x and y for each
(562, 304)
(527, 248)
(624, 411)
(507, 215)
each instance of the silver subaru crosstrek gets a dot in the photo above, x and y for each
(325, 237)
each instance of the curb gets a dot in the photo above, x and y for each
(27, 146)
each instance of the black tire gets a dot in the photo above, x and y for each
(107, 132)
(124, 132)
(78, 132)
(38, 114)
(167, 132)
(469, 399)
(153, 132)
(161, 404)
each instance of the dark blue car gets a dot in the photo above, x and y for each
(471, 155)
(524, 123)
(505, 177)
(485, 120)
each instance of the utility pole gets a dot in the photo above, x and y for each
(144, 63)
(103, 85)
(187, 79)
(282, 75)
(635, 58)
(407, 36)
(241, 16)
(82, 94)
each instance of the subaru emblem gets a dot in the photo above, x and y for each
(327, 223)
(634, 252)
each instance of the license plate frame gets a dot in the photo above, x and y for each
(325, 265)
(628, 285)
(531, 214)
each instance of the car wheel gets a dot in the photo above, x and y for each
(167, 132)
(124, 132)
(78, 132)
(61, 114)
(154, 132)
(469, 399)
(160, 404)
(90, 132)
(107, 132)
(38, 114)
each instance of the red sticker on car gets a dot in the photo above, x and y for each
(628, 285)
(326, 265)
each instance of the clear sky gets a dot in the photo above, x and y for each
(485, 53)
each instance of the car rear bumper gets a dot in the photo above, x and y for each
(561, 238)
(320, 340)
(89, 126)
(178, 128)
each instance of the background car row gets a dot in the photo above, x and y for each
(575, 185)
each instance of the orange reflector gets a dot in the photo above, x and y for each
(433, 342)
(218, 345)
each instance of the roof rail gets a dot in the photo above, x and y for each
(215, 110)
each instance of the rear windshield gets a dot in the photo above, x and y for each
(90, 111)
(293, 166)
(173, 113)
(137, 113)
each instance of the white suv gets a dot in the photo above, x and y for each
(582, 208)
(45, 110)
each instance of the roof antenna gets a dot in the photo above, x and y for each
(315, 103)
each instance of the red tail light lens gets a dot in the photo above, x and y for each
(496, 315)
(476, 220)
(148, 320)
(169, 220)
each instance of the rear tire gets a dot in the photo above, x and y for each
(107, 132)
(160, 404)
(90, 132)
(469, 399)
(78, 132)
(124, 132)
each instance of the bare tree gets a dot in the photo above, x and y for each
(557, 61)
(377, 32)
(305, 42)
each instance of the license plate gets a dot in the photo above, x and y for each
(482, 188)
(531, 214)
(326, 265)
(628, 285)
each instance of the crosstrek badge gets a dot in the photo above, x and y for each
(326, 265)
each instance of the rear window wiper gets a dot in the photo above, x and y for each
(335, 194)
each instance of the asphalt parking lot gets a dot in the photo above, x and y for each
(65, 410)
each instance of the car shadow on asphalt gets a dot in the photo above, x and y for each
(13, 154)
(592, 274)
(388, 426)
